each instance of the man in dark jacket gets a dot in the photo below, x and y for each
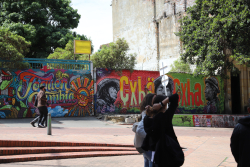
(240, 141)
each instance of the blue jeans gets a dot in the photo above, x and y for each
(147, 159)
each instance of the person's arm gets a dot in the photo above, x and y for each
(235, 142)
(171, 99)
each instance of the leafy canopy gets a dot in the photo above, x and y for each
(211, 29)
(68, 52)
(12, 48)
(46, 24)
(180, 66)
(115, 56)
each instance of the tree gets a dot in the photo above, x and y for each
(115, 56)
(180, 66)
(46, 24)
(68, 52)
(215, 33)
(12, 48)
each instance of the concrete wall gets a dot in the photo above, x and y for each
(136, 21)
(133, 20)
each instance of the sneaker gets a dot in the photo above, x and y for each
(33, 124)
(40, 126)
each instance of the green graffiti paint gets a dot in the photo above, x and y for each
(193, 100)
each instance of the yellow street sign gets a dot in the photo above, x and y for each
(82, 47)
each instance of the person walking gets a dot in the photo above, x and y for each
(240, 140)
(140, 132)
(42, 106)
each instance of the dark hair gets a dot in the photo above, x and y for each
(147, 100)
(41, 87)
(105, 91)
(159, 98)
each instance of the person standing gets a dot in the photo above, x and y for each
(240, 140)
(140, 132)
(42, 106)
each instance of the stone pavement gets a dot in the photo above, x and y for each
(206, 147)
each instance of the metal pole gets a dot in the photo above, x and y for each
(49, 124)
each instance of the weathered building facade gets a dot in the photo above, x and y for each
(149, 26)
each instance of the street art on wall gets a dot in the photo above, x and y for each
(69, 92)
(223, 121)
(227, 121)
(199, 95)
(123, 94)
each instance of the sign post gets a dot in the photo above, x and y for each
(164, 79)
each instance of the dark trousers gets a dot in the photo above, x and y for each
(43, 114)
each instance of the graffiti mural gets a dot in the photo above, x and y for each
(123, 94)
(199, 95)
(69, 92)
(227, 121)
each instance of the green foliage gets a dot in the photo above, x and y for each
(12, 48)
(67, 53)
(180, 66)
(115, 56)
(46, 24)
(211, 28)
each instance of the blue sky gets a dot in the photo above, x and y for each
(96, 20)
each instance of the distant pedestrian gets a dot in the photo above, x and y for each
(240, 141)
(42, 106)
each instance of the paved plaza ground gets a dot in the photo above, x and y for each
(206, 147)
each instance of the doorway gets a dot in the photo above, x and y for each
(235, 93)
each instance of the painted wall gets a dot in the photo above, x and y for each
(199, 95)
(69, 92)
(122, 94)
(223, 121)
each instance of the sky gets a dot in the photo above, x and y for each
(95, 21)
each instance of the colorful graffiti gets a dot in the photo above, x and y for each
(69, 92)
(223, 121)
(199, 95)
(123, 94)
(227, 121)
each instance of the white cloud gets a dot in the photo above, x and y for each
(96, 20)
